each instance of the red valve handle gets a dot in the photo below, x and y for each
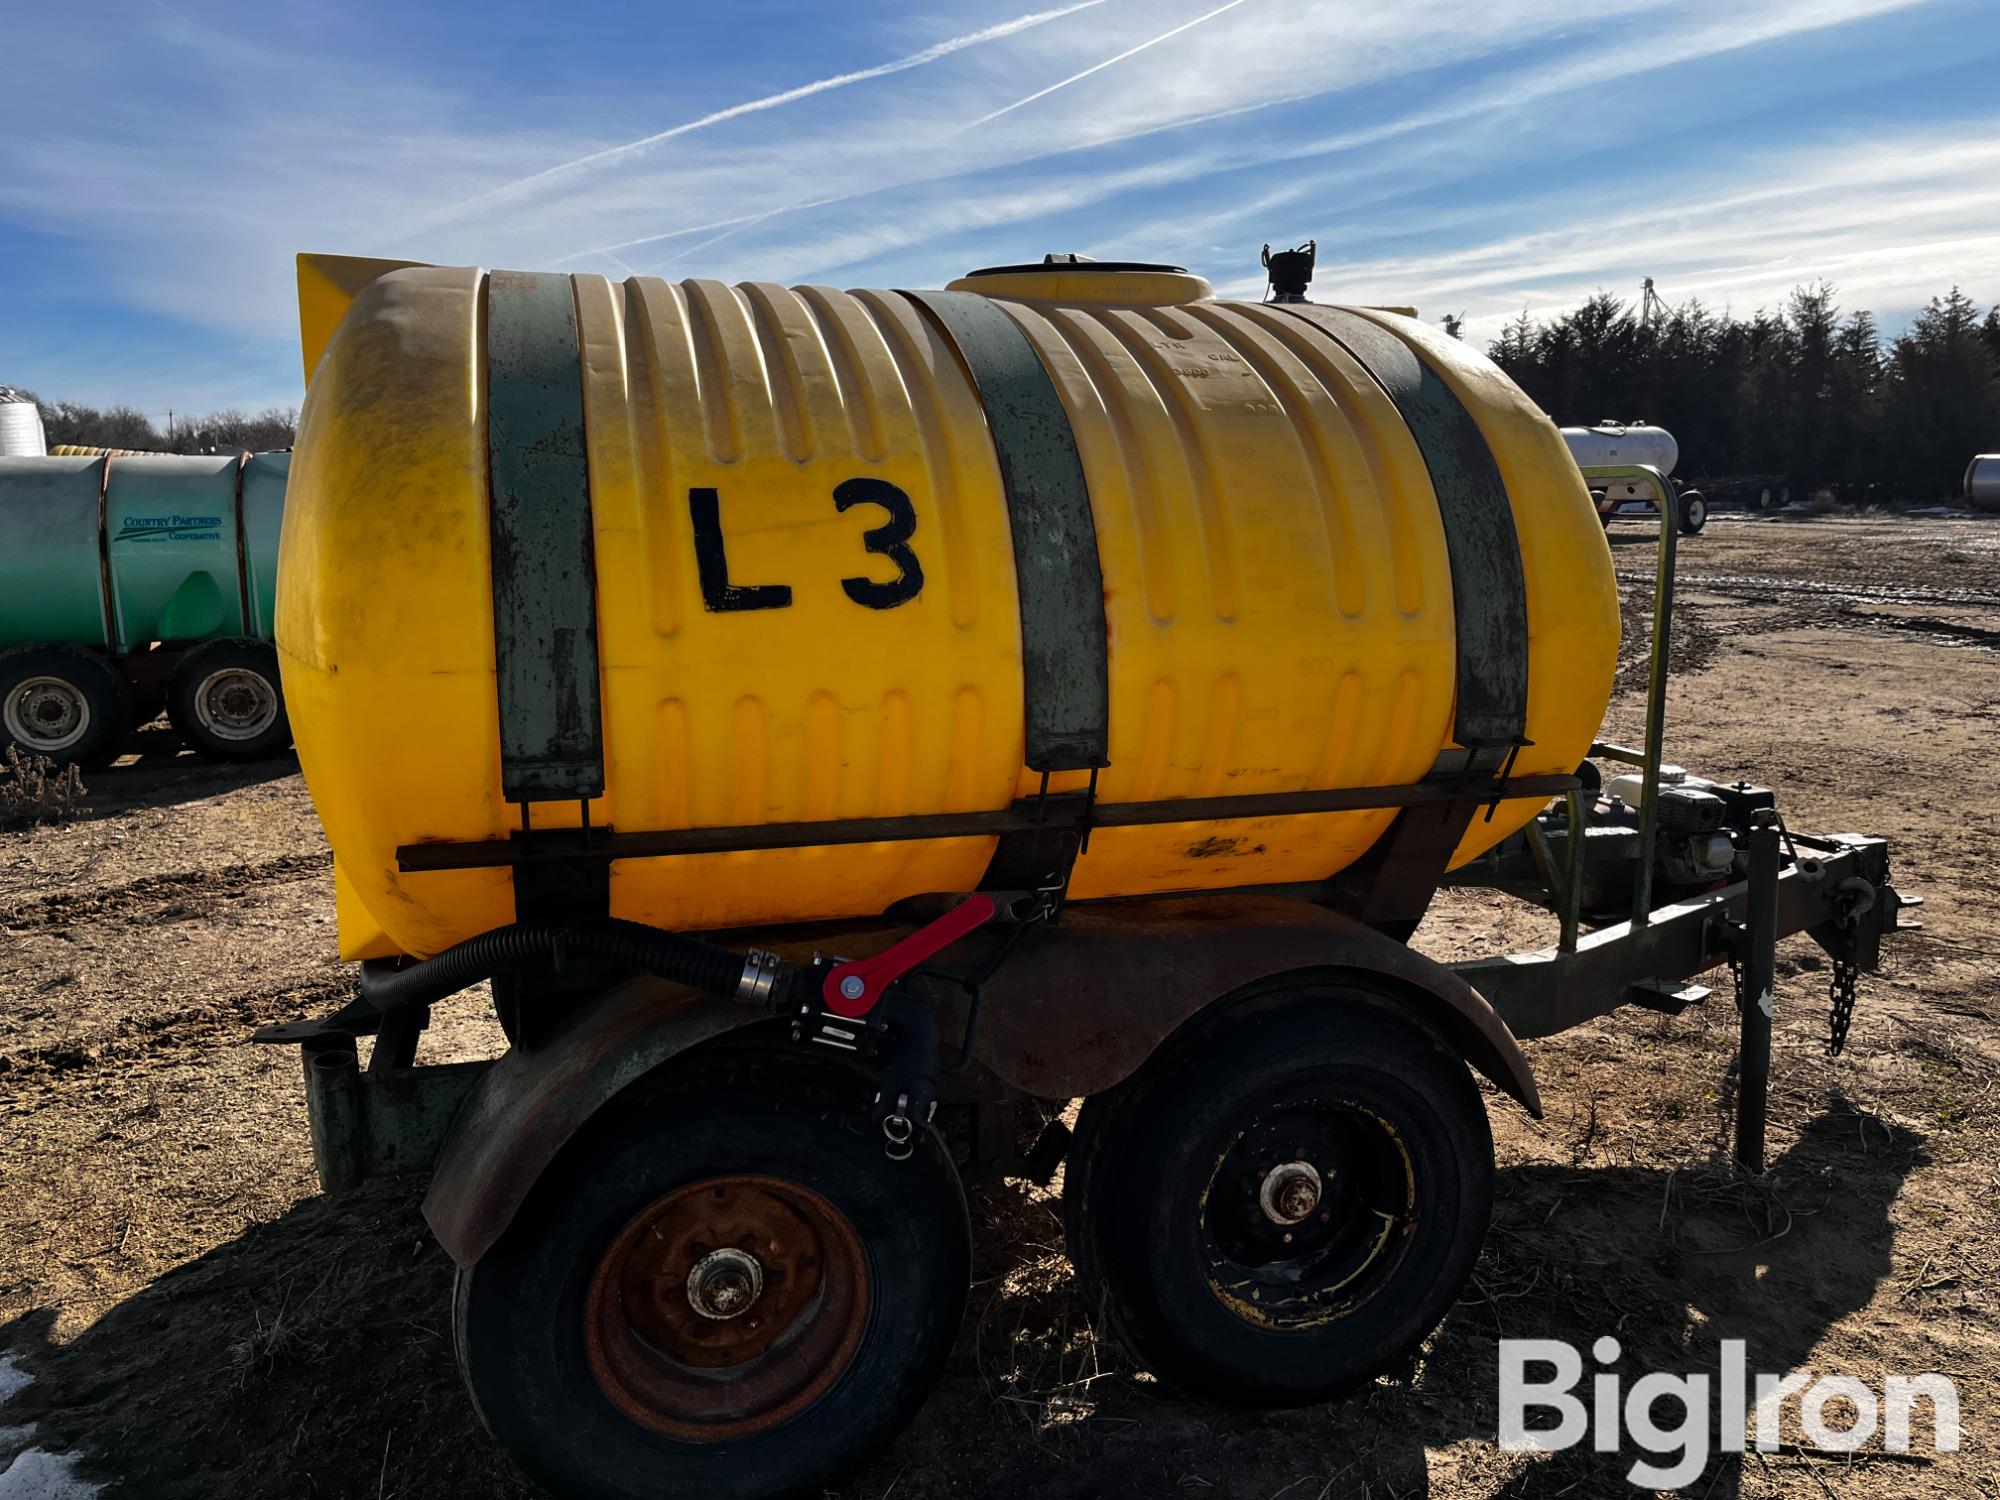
(876, 974)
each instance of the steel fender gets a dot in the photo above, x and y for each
(1076, 1011)
(531, 1102)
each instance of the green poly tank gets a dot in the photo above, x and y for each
(51, 555)
(263, 506)
(119, 553)
(170, 533)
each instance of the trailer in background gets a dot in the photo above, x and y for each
(132, 584)
(1611, 445)
(1982, 482)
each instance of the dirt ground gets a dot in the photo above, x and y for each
(199, 1322)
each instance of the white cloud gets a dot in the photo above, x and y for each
(1888, 221)
(934, 53)
(189, 167)
(1099, 67)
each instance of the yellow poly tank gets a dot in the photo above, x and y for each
(794, 556)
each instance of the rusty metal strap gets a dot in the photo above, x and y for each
(1070, 813)
(544, 562)
(1064, 667)
(1489, 590)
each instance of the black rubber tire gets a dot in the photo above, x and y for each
(103, 694)
(1694, 513)
(518, 1316)
(195, 667)
(1142, 1169)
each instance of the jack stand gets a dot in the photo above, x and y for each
(1760, 956)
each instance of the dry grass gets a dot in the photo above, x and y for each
(36, 791)
(202, 1325)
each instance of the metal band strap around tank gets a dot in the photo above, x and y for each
(544, 561)
(1065, 671)
(1064, 638)
(242, 552)
(1489, 590)
(104, 584)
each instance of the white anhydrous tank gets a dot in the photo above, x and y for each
(1610, 443)
(1982, 482)
(21, 434)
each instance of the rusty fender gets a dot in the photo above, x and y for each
(1078, 1010)
(530, 1103)
(1073, 1012)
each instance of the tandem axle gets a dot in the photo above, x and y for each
(706, 1209)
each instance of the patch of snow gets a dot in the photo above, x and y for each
(36, 1475)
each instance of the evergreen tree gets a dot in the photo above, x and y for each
(1802, 394)
(1942, 402)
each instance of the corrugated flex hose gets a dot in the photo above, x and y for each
(391, 984)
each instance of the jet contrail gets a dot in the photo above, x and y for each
(929, 54)
(1100, 67)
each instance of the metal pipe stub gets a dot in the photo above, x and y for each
(1759, 950)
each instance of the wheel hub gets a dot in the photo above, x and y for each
(1308, 1212)
(726, 1307)
(47, 714)
(1290, 1193)
(235, 704)
(724, 1283)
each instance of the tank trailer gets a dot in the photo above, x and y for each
(846, 728)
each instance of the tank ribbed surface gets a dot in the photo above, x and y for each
(1277, 593)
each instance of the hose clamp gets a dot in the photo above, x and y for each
(760, 976)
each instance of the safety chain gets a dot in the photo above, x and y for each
(1843, 989)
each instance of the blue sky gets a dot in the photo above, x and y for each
(160, 163)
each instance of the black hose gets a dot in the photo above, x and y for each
(389, 984)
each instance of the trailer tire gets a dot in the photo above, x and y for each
(226, 701)
(593, 1364)
(68, 703)
(1694, 512)
(1169, 1201)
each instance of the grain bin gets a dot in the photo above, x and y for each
(21, 434)
(666, 557)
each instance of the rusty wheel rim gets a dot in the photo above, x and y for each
(726, 1308)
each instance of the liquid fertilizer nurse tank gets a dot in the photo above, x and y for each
(669, 556)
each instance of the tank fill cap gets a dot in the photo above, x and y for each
(1076, 263)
